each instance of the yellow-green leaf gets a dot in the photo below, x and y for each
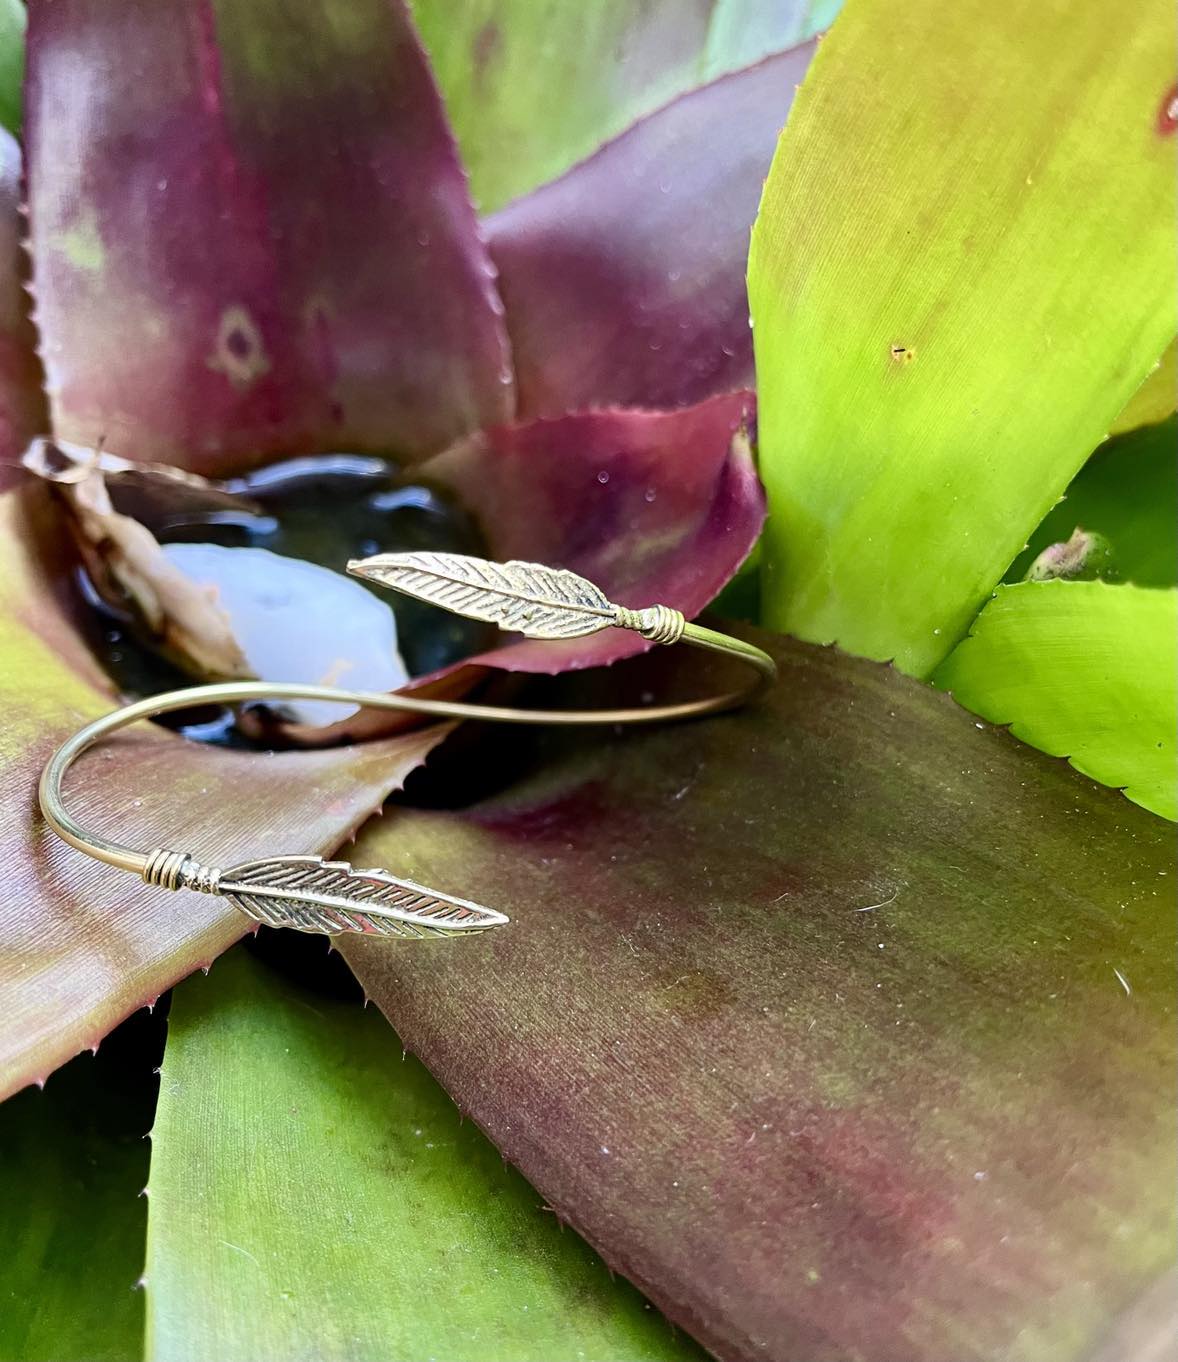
(1084, 670)
(1126, 492)
(314, 1194)
(531, 86)
(1156, 398)
(963, 268)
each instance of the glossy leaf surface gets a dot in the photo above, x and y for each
(1083, 670)
(82, 945)
(844, 1026)
(252, 235)
(942, 335)
(315, 1194)
(624, 280)
(534, 85)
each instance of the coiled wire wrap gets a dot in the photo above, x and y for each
(658, 623)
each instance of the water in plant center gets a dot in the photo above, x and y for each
(320, 510)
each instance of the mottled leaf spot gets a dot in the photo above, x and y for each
(1168, 112)
(902, 354)
(238, 351)
(486, 48)
(82, 244)
(696, 993)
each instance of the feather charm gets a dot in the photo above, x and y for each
(314, 895)
(524, 598)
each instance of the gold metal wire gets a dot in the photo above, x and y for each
(312, 895)
(235, 692)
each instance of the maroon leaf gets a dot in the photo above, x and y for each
(252, 233)
(22, 403)
(651, 506)
(844, 1026)
(81, 945)
(624, 280)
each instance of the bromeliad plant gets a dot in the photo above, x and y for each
(266, 247)
(802, 1012)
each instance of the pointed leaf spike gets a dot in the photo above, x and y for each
(309, 894)
(522, 598)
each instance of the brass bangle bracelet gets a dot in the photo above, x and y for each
(313, 895)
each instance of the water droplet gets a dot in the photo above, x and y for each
(649, 494)
(423, 237)
(603, 477)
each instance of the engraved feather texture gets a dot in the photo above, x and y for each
(524, 598)
(314, 895)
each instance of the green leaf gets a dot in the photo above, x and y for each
(73, 1162)
(741, 598)
(963, 268)
(1083, 670)
(533, 87)
(1126, 492)
(12, 62)
(744, 31)
(809, 1016)
(1155, 399)
(315, 1194)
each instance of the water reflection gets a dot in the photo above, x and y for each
(321, 509)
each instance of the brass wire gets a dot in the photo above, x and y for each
(63, 823)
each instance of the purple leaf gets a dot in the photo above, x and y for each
(82, 945)
(653, 507)
(624, 280)
(650, 506)
(533, 88)
(22, 403)
(843, 1025)
(252, 233)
